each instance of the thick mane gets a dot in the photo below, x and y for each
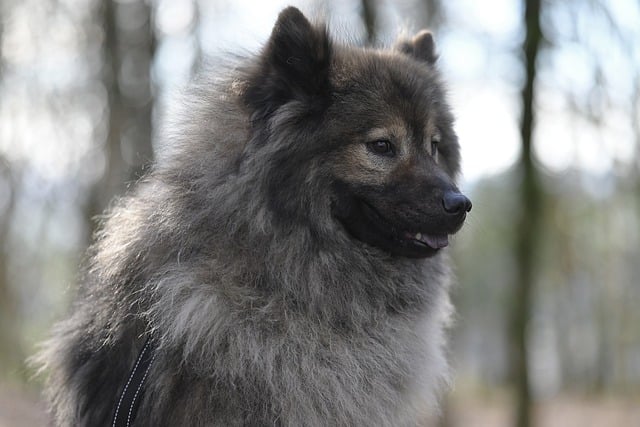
(212, 276)
(199, 218)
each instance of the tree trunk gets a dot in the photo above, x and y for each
(528, 224)
(9, 342)
(10, 354)
(128, 52)
(369, 17)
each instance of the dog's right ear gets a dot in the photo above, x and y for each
(294, 65)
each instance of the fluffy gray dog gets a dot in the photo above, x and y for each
(284, 264)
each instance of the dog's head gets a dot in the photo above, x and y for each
(372, 125)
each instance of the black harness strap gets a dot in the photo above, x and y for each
(129, 400)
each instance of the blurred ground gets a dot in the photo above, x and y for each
(19, 408)
(563, 411)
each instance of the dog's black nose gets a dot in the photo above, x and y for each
(455, 203)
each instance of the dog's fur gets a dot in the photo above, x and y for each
(263, 254)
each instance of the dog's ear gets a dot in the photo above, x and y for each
(294, 64)
(421, 47)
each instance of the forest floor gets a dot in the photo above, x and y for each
(561, 411)
(23, 408)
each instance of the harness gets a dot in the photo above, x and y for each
(125, 411)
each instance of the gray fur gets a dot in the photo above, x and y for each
(264, 310)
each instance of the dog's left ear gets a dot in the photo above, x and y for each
(421, 47)
(294, 64)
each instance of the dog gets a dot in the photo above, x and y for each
(284, 263)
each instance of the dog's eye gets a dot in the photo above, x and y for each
(435, 140)
(382, 147)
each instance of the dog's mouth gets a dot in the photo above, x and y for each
(379, 231)
(434, 241)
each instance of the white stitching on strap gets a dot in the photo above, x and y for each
(124, 391)
(135, 396)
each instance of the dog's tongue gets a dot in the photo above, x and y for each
(435, 241)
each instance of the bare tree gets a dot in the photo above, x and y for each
(369, 18)
(433, 13)
(128, 50)
(198, 57)
(528, 224)
(10, 355)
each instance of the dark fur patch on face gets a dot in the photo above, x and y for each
(395, 202)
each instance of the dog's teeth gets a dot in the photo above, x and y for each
(418, 236)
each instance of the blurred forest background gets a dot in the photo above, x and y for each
(547, 96)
